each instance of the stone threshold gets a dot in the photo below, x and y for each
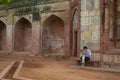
(105, 69)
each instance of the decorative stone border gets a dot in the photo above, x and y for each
(15, 76)
(6, 70)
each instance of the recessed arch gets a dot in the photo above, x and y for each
(74, 28)
(2, 36)
(53, 35)
(22, 35)
(75, 19)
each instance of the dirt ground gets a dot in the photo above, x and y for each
(46, 68)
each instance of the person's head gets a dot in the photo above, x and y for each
(85, 47)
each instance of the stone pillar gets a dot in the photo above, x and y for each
(10, 38)
(101, 31)
(10, 42)
(75, 5)
(107, 24)
(79, 27)
(35, 37)
(67, 40)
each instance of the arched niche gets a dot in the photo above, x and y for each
(22, 35)
(53, 35)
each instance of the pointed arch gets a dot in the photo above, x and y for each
(3, 34)
(75, 19)
(74, 27)
(22, 35)
(53, 35)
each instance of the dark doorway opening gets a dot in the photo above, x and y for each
(75, 43)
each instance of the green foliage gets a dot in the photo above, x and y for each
(8, 1)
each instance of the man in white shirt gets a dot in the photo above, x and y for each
(85, 56)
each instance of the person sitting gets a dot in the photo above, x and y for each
(85, 56)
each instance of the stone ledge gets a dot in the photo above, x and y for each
(6, 70)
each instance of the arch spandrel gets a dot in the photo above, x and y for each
(60, 15)
(28, 17)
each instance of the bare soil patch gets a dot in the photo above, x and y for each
(45, 68)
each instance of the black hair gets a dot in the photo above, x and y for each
(85, 47)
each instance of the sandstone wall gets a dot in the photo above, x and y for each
(36, 12)
(90, 24)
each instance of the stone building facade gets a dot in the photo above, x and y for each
(36, 26)
(95, 23)
(62, 27)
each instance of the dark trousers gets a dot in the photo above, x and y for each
(87, 58)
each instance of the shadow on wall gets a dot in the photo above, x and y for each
(2, 36)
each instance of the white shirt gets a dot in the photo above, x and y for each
(88, 53)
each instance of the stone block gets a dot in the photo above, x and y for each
(118, 44)
(82, 43)
(92, 13)
(116, 58)
(60, 5)
(84, 27)
(3, 13)
(84, 13)
(108, 58)
(92, 44)
(94, 27)
(95, 35)
(85, 21)
(98, 12)
(92, 4)
(96, 4)
(95, 56)
(86, 35)
(95, 20)
(83, 5)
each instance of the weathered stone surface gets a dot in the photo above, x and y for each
(94, 28)
(118, 44)
(107, 58)
(75, 20)
(97, 4)
(3, 13)
(111, 58)
(95, 20)
(92, 44)
(9, 38)
(94, 13)
(118, 32)
(92, 4)
(84, 13)
(84, 27)
(95, 57)
(116, 58)
(85, 21)
(86, 35)
(95, 35)
(83, 5)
